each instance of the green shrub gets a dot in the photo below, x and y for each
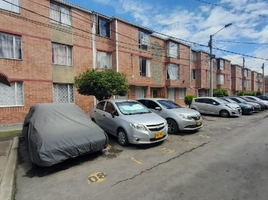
(248, 93)
(188, 99)
(220, 93)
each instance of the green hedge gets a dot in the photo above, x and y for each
(188, 99)
(220, 93)
(249, 93)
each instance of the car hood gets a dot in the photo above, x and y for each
(187, 111)
(243, 105)
(145, 119)
(233, 105)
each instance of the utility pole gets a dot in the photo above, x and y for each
(243, 77)
(263, 79)
(211, 65)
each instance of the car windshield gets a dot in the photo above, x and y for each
(131, 108)
(230, 101)
(169, 104)
(222, 101)
(241, 100)
(227, 100)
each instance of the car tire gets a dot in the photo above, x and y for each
(224, 113)
(172, 126)
(122, 137)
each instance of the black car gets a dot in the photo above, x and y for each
(265, 98)
(256, 106)
(263, 106)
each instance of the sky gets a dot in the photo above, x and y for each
(196, 20)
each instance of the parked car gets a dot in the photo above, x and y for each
(258, 100)
(215, 106)
(56, 132)
(256, 106)
(178, 117)
(265, 98)
(246, 109)
(130, 122)
(263, 106)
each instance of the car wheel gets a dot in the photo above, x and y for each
(122, 138)
(172, 126)
(224, 113)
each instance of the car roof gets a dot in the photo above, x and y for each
(206, 97)
(118, 100)
(152, 99)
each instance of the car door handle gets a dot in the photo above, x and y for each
(94, 110)
(103, 115)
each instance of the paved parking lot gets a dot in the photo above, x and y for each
(91, 176)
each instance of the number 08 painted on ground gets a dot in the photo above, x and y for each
(97, 177)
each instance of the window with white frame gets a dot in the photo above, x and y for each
(220, 64)
(145, 70)
(104, 60)
(173, 72)
(193, 74)
(240, 82)
(172, 50)
(259, 76)
(182, 93)
(104, 28)
(144, 40)
(245, 83)
(60, 15)
(10, 5)
(245, 72)
(10, 46)
(11, 96)
(140, 92)
(240, 71)
(221, 79)
(62, 54)
(171, 94)
(259, 86)
(193, 56)
(63, 93)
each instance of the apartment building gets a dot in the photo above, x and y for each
(45, 44)
(256, 82)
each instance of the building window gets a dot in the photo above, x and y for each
(240, 82)
(172, 50)
(193, 74)
(182, 93)
(62, 54)
(11, 96)
(173, 72)
(140, 92)
(193, 56)
(171, 94)
(10, 5)
(220, 64)
(63, 93)
(245, 83)
(60, 15)
(10, 46)
(259, 76)
(145, 67)
(144, 40)
(104, 28)
(240, 71)
(245, 73)
(221, 79)
(104, 60)
(259, 86)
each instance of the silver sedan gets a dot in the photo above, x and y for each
(178, 117)
(130, 122)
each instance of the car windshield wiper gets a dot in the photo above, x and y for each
(141, 112)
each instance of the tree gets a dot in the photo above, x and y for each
(220, 92)
(188, 99)
(101, 84)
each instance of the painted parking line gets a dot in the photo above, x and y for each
(140, 163)
(167, 150)
(189, 142)
(204, 136)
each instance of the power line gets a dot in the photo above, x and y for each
(228, 56)
(237, 42)
(228, 8)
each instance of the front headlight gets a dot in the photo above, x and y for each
(184, 116)
(138, 127)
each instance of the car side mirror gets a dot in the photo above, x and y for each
(158, 108)
(114, 113)
(214, 103)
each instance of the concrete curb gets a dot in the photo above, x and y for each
(8, 180)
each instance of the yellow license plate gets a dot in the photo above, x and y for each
(240, 110)
(159, 135)
(199, 123)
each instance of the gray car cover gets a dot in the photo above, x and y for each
(55, 132)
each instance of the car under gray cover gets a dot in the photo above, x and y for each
(56, 132)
